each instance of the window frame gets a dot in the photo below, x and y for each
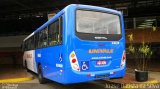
(60, 31)
(92, 37)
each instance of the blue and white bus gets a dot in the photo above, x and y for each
(80, 43)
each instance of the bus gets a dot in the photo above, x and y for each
(80, 43)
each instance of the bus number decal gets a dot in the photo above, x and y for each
(59, 65)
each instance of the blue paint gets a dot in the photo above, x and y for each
(50, 56)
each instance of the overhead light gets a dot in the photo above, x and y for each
(147, 23)
(150, 20)
(140, 27)
(144, 26)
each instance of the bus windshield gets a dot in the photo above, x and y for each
(94, 22)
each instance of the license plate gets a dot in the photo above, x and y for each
(102, 76)
(101, 62)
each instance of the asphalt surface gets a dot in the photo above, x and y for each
(53, 85)
(34, 84)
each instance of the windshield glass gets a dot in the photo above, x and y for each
(94, 22)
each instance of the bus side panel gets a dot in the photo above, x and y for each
(52, 59)
(29, 58)
(49, 59)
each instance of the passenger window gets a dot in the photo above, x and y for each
(32, 43)
(37, 39)
(43, 38)
(55, 32)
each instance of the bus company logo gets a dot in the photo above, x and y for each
(100, 51)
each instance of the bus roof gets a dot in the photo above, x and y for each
(63, 10)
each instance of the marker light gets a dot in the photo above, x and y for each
(114, 72)
(61, 70)
(88, 75)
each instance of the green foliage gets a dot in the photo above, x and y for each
(131, 49)
(141, 53)
(130, 37)
(145, 49)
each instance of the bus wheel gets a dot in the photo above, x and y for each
(41, 79)
(26, 66)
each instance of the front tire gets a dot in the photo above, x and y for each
(41, 79)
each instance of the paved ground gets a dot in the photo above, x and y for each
(13, 71)
(155, 75)
(54, 85)
(34, 84)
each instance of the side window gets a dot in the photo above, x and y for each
(36, 39)
(42, 38)
(32, 43)
(60, 29)
(25, 46)
(29, 44)
(55, 31)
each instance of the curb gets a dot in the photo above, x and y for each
(148, 84)
(16, 80)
